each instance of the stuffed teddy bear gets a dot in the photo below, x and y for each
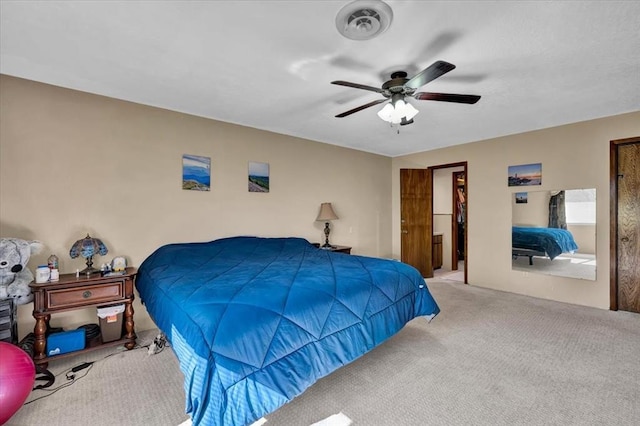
(15, 277)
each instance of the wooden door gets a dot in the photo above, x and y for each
(628, 226)
(416, 219)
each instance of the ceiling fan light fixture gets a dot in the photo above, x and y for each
(364, 19)
(398, 113)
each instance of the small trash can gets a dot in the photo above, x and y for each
(110, 322)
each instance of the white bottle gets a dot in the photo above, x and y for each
(42, 274)
(54, 275)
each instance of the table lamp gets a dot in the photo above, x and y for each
(87, 248)
(325, 215)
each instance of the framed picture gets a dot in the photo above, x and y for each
(521, 197)
(525, 175)
(258, 177)
(196, 173)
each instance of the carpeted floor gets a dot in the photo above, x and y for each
(489, 358)
(121, 388)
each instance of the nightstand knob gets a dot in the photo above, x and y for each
(86, 294)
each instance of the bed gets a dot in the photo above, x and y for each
(551, 242)
(256, 321)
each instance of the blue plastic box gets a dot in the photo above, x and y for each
(65, 341)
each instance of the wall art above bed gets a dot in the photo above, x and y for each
(258, 177)
(196, 173)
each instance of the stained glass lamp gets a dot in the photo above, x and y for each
(87, 248)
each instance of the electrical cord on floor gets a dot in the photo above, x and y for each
(71, 379)
(158, 344)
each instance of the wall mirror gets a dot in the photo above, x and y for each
(554, 232)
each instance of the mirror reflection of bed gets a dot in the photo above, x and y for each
(554, 232)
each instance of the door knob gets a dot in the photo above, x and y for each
(404, 231)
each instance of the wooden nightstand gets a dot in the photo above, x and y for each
(339, 249)
(70, 293)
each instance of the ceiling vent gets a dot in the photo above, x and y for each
(364, 19)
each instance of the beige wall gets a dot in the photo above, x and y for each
(72, 163)
(572, 156)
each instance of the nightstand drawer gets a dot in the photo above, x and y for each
(97, 293)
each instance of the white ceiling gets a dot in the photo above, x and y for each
(269, 64)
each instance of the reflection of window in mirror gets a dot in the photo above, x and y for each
(580, 205)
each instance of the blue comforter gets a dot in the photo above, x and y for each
(553, 241)
(256, 321)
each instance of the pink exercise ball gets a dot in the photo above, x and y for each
(17, 375)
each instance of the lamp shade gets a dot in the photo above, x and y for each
(409, 111)
(326, 213)
(386, 112)
(87, 247)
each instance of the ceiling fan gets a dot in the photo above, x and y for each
(398, 111)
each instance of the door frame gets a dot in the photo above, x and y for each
(613, 218)
(462, 164)
(454, 222)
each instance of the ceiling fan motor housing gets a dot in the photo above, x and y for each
(397, 85)
(364, 19)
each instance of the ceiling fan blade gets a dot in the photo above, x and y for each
(447, 97)
(357, 86)
(361, 107)
(434, 71)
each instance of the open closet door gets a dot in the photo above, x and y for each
(416, 219)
